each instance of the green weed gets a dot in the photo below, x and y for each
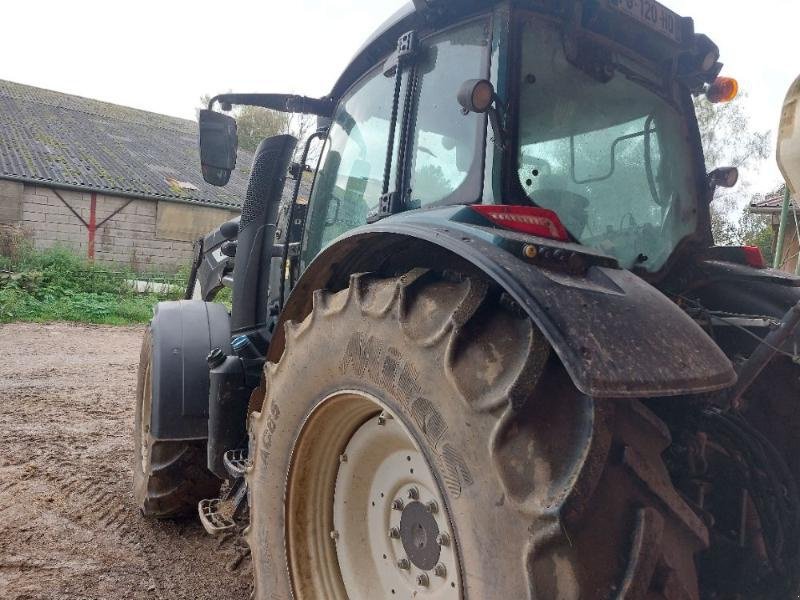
(56, 285)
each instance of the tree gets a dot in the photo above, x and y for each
(729, 140)
(254, 124)
(756, 230)
(748, 229)
(431, 182)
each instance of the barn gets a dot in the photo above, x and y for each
(115, 184)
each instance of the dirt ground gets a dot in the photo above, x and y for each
(68, 526)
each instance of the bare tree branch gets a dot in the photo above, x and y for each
(729, 140)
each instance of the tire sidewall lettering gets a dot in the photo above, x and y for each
(270, 427)
(368, 356)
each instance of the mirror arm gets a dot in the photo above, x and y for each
(499, 133)
(281, 102)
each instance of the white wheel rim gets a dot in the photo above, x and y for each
(372, 523)
(382, 473)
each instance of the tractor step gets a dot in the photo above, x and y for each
(213, 516)
(218, 515)
(235, 462)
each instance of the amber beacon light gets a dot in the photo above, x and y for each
(724, 89)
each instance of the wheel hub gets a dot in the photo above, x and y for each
(418, 532)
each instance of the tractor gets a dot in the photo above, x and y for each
(487, 348)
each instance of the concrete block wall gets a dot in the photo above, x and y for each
(10, 202)
(128, 239)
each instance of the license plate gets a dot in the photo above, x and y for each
(653, 14)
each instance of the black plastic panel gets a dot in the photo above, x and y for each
(184, 332)
(257, 232)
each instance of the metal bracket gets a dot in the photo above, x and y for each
(407, 46)
(389, 204)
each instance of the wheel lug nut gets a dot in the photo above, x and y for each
(343, 458)
(422, 579)
(403, 564)
(394, 533)
(443, 539)
(334, 535)
(433, 507)
(397, 504)
(413, 494)
(440, 570)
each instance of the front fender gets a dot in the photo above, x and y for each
(183, 334)
(616, 335)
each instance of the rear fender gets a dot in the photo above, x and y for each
(616, 335)
(740, 289)
(183, 334)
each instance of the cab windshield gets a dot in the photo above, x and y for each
(611, 158)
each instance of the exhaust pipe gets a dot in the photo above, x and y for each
(257, 235)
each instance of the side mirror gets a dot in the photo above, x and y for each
(726, 177)
(218, 145)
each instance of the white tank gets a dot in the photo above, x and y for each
(789, 138)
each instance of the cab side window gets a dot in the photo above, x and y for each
(444, 139)
(442, 146)
(350, 181)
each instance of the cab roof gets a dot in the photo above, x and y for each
(596, 18)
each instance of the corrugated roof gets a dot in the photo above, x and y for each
(772, 202)
(59, 139)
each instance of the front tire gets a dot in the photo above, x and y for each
(542, 492)
(169, 478)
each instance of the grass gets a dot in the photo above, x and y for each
(56, 285)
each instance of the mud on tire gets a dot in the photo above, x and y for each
(169, 478)
(551, 494)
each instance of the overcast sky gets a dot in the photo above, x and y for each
(163, 55)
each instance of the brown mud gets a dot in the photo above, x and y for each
(68, 525)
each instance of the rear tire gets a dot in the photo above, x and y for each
(169, 478)
(544, 492)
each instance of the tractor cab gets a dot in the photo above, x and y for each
(588, 114)
(600, 130)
